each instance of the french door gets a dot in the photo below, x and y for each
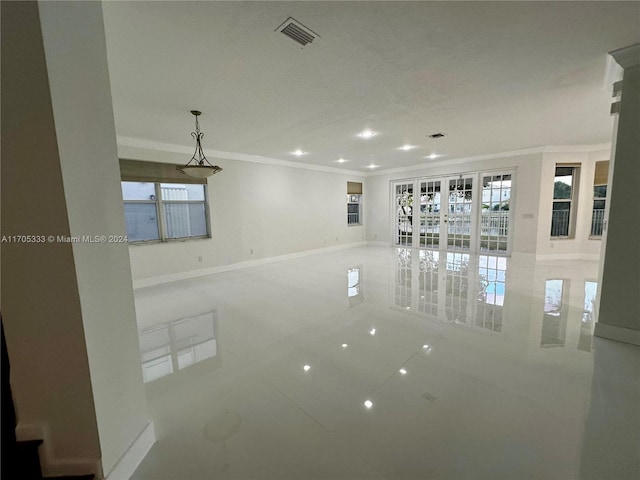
(467, 212)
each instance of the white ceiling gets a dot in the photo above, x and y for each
(494, 76)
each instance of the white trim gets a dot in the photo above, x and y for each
(176, 277)
(455, 161)
(619, 334)
(596, 147)
(567, 256)
(134, 455)
(627, 56)
(379, 244)
(50, 465)
(513, 153)
(243, 157)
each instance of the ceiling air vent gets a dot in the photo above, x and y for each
(436, 135)
(297, 31)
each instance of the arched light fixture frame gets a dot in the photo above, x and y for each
(199, 166)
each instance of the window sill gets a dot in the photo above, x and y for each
(169, 240)
(354, 224)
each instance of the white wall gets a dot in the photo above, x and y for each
(527, 183)
(41, 308)
(68, 308)
(75, 49)
(271, 209)
(580, 246)
(277, 210)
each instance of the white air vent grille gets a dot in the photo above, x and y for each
(297, 31)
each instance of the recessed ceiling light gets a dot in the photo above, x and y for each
(372, 166)
(372, 331)
(298, 153)
(406, 147)
(341, 160)
(367, 134)
(402, 371)
(344, 345)
(306, 368)
(368, 403)
(433, 155)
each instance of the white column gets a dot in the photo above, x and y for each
(619, 277)
(68, 307)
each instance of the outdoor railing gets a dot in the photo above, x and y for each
(597, 222)
(560, 223)
(495, 223)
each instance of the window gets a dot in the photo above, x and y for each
(600, 180)
(354, 202)
(163, 211)
(564, 192)
(353, 209)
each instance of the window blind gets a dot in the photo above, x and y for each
(354, 188)
(143, 171)
(601, 176)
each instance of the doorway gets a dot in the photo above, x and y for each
(466, 212)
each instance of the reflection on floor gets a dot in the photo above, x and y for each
(387, 363)
(169, 347)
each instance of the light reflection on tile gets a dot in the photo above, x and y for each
(588, 321)
(554, 320)
(354, 286)
(169, 347)
(471, 286)
(483, 400)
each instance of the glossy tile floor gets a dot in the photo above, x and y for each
(373, 363)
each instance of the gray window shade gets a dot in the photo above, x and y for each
(354, 188)
(141, 171)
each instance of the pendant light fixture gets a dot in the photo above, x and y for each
(199, 166)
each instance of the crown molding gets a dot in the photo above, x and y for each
(513, 153)
(596, 147)
(455, 161)
(243, 157)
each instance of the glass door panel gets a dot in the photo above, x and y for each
(459, 213)
(430, 206)
(495, 218)
(403, 222)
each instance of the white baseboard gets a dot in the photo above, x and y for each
(132, 458)
(50, 465)
(619, 334)
(379, 244)
(175, 277)
(568, 256)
